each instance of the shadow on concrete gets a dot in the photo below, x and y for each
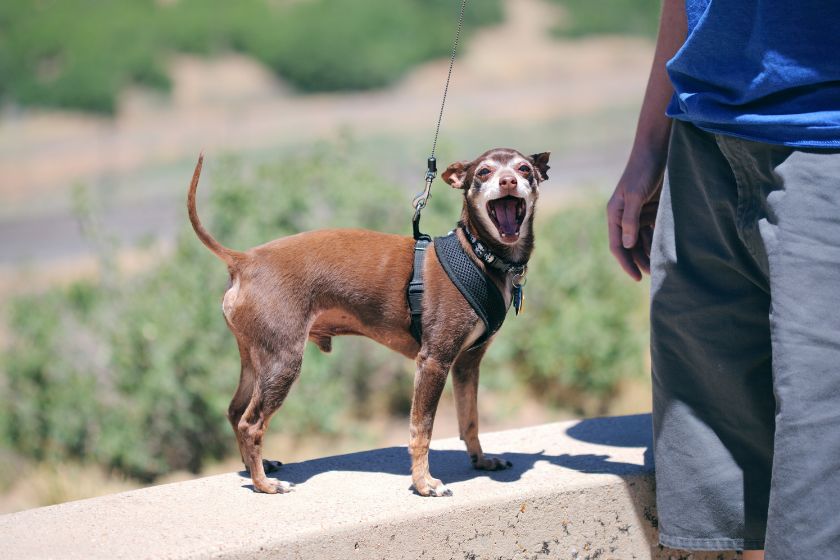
(454, 466)
(618, 431)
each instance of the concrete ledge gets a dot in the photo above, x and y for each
(577, 490)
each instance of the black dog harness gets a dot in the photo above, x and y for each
(473, 283)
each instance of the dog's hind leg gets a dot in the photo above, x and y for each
(276, 372)
(242, 396)
(465, 385)
(239, 403)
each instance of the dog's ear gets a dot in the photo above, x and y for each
(540, 161)
(456, 173)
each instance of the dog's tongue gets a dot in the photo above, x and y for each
(506, 215)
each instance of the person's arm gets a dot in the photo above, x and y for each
(632, 208)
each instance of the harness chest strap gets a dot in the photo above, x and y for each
(476, 287)
(416, 287)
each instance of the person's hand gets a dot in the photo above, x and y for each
(631, 213)
(632, 208)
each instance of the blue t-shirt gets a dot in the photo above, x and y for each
(765, 70)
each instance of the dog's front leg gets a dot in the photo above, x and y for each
(429, 381)
(465, 385)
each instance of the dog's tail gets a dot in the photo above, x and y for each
(230, 256)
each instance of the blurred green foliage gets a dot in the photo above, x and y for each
(81, 53)
(623, 17)
(135, 372)
(584, 324)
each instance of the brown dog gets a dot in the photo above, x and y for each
(320, 284)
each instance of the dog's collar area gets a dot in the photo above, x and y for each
(489, 258)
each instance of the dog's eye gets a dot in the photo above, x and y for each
(483, 172)
(524, 168)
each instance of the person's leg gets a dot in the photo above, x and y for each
(710, 348)
(800, 228)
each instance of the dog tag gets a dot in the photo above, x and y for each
(518, 299)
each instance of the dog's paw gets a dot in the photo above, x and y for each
(274, 487)
(433, 488)
(284, 487)
(441, 491)
(487, 463)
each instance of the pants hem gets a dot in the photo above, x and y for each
(721, 543)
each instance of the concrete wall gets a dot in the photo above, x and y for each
(577, 490)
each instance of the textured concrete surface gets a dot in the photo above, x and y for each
(577, 490)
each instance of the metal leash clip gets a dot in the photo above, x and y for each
(420, 200)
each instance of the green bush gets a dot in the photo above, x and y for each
(623, 17)
(135, 372)
(78, 53)
(81, 53)
(584, 323)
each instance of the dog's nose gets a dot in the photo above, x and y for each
(507, 182)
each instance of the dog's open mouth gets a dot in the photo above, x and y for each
(507, 214)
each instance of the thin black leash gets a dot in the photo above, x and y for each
(420, 200)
